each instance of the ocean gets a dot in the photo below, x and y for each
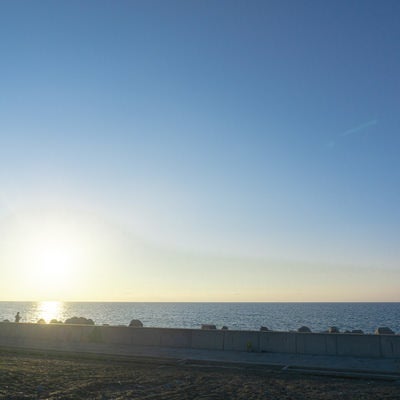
(241, 316)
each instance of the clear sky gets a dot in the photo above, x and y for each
(200, 150)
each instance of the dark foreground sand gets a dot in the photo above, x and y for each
(26, 375)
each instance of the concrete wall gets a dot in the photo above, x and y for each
(277, 342)
(22, 334)
(210, 340)
(316, 343)
(358, 345)
(242, 340)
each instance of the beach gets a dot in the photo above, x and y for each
(38, 375)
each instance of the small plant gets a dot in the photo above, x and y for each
(249, 346)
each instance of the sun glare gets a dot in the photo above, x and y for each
(52, 255)
(52, 259)
(49, 310)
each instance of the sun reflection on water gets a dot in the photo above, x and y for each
(49, 310)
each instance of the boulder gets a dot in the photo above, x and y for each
(136, 323)
(304, 329)
(208, 326)
(384, 330)
(333, 329)
(224, 328)
(79, 321)
(264, 329)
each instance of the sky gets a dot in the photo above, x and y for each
(199, 150)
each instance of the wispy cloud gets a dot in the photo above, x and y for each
(360, 128)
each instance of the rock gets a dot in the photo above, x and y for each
(359, 331)
(79, 321)
(333, 329)
(135, 323)
(384, 330)
(264, 329)
(304, 329)
(224, 328)
(208, 326)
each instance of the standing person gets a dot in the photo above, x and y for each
(17, 317)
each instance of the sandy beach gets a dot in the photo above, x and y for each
(35, 375)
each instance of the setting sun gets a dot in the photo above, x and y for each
(53, 259)
(49, 253)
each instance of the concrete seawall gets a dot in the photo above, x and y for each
(324, 344)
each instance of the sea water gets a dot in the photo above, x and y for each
(241, 316)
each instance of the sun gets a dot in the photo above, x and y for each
(53, 259)
(52, 256)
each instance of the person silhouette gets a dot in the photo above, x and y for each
(17, 317)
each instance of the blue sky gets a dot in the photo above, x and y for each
(245, 130)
